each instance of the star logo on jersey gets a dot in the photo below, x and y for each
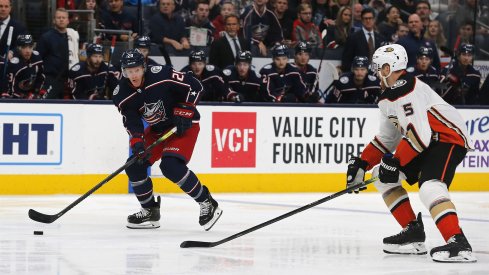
(154, 112)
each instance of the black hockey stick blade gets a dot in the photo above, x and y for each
(191, 244)
(45, 218)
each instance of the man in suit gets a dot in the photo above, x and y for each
(224, 50)
(363, 42)
(6, 21)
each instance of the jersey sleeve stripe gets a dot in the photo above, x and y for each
(439, 117)
(378, 144)
(414, 139)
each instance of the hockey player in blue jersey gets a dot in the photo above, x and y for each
(242, 79)
(301, 61)
(163, 98)
(281, 81)
(215, 89)
(24, 71)
(90, 78)
(423, 70)
(143, 44)
(357, 86)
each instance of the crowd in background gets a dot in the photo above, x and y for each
(65, 62)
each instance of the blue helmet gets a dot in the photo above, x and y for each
(360, 62)
(425, 51)
(196, 56)
(24, 40)
(466, 48)
(302, 47)
(94, 49)
(244, 56)
(280, 50)
(132, 58)
(142, 42)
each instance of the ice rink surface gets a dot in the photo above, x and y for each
(342, 236)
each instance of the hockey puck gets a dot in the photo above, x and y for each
(38, 233)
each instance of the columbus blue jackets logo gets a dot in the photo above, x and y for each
(154, 112)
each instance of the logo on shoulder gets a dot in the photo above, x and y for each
(269, 66)
(14, 60)
(344, 79)
(410, 69)
(116, 90)
(226, 72)
(156, 69)
(399, 83)
(35, 52)
(372, 78)
(210, 68)
(75, 68)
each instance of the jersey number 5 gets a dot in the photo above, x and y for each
(408, 109)
(177, 75)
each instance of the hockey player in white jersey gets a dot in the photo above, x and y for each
(421, 139)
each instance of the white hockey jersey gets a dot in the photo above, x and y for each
(412, 116)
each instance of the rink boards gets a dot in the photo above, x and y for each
(68, 148)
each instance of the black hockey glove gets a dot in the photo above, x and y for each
(356, 173)
(236, 97)
(182, 117)
(138, 150)
(389, 169)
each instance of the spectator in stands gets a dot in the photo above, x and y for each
(6, 21)
(423, 9)
(338, 34)
(286, 19)
(281, 81)
(402, 30)
(80, 21)
(199, 29)
(406, 7)
(116, 18)
(183, 8)
(227, 8)
(54, 50)
(261, 27)
(435, 33)
(379, 8)
(325, 12)
(304, 29)
(223, 51)
(167, 28)
(357, 15)
(66, 4)
(414, 40)
(242, 79)
(356, 86)
(462, 78)
(362, 43)
(423, 69)
(465, 34)
(388, 28)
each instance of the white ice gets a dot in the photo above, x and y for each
(341, 236)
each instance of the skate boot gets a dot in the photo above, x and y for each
(409, 241)
(457, 250)
(147, 218)
(209, 212)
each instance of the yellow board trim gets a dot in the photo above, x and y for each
(229, 183)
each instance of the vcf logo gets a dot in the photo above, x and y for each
(30, 138)
(233, 139)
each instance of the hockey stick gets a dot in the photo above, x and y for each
(111, 53)
(9, 42)
(44, 218)
(323, 35)
(165, 54)
(187, 244)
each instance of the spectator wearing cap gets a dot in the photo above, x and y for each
(462, 78)
(167, 28)
(92, 79)
(223, 51)
(6, 21)
(143, 44)
(242, 79)
(423, 70)
(261, 27)
(309, 74)
(356, 86)
(211, 77)
(24, 71)
(281, 81)
(363, 42)
(415, 39)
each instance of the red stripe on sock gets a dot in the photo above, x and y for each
(448, 226)
(404, 213)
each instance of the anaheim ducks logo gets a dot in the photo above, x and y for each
(389, 49)
(394, 120)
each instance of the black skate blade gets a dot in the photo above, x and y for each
(40, 217)
(190, 244)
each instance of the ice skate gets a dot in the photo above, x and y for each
(409, 241)
(457, 250)
(147, 218)
(209, 212)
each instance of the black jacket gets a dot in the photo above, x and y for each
(221, 54)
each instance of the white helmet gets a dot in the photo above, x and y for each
(394, 55)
